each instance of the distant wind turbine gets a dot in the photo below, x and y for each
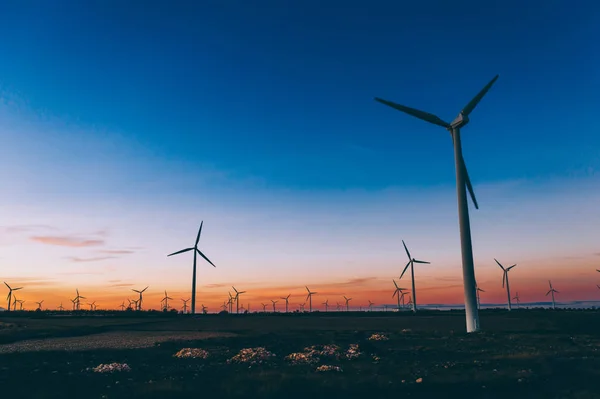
(264, 305)
(91, 306)
(411, 262)
(338, 306)
(40, 304)
(204, 309)
(397, 293)
(505, 280)
(274, 302)
(122, 306)
(463, 183)
(185, 301)
(224, 305)
(371, 306)
(139, 301)
(516, 298)
(61, 307)
(15, 300)
(552, 291)
(10, 291)
(237, 298)
(478, 301)
(309, 298)
(21, 302)
(166, 300)
(196, 251)
(78, 299)
(347, 300)
(286, 299)
(326, 303)
(302, 306)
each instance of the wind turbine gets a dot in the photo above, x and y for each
(224, 306)
(185, 301)
(74, 303)
(230, 302)
(139, 301)
(136, 303)
(462, 182)
(21, 302)
(286, 299)
(552, 290)
(347, 300)
(411, 262)
(478, 302)
(91, 306)
(204, 309)
(15, 300)
(264, 305)
(10, 291)
(302, 306)
(166, 300)
(309, 297)
(61, 307)
(397, 293)
(40, 304)
(237, 298)
(326, 303)
(505, 280)
(516, 298)
(196, 251)
(78, 299)
(371, 305)
(274, 302)
(338, 306)
(122, 306)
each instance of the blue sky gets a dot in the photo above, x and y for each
(260, 120)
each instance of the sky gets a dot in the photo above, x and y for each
(125, 124)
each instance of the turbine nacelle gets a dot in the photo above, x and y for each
(460, 121)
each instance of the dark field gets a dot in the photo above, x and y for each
(550, 354)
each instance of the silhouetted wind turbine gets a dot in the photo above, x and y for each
(347, 300)
(478, 302)
(91, 306)
(338, 306)
(196, 251)
(326, 303)
(516, 298)
(505, 280)
(462, 182)
(237, 298)
(204, 309)
(136, 303)
(411, 262)
(21, 302)
(264, 305)
(224, 306)
(122, 306)
(302, 306)
(40, 304)
(309, 297)
(15, 300)
(139, 301)
(274, 302)
(371, 305)
(552, 291)
(397, 293)
(286, 299)
(78, 298)
(166, 300)
(185, 301)
(10, 291)
(61, 307)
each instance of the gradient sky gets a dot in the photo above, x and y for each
(124, 124)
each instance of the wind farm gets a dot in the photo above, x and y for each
(348, 249)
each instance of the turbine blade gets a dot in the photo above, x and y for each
(426, 116)
(422, 261)
(502, 267)
(558, 292)
(407, 253)
(205, 258)
(180, 252)
(503, 278)
(473, 103)
(7, 285)
(404, 271)
(395, 283)
(199, 231)
(395, 293)
(548, 292)
(510, 267)
(468, 183)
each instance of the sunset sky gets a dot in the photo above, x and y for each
(122, 127)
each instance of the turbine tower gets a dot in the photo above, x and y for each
(196, 251)
(185, 301)
(140, 300)
(462, 182)
(309, 298)
(411, 262)
(347, 300)
(10, 291)
(397, 293)
(286, 299)
(237, 299)
(505, 281)
(552, 291)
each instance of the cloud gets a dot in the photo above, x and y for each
(96, 259)
(114, 281)
(66, 241)
(116, 251)
(597, 253)
(215, 285)
(77, 273)
(122, 285)
(27, 227)
(29, 281)
(354, 282)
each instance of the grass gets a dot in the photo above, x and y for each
(521, 354)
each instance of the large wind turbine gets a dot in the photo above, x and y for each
(237, 299)
(411, 262)
(309, 297)
(505, 280)
(286, 299)
(196, 251)
(462, 182)
(10, 291)
(552, 291)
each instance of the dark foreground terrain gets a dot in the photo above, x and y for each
(520, 354)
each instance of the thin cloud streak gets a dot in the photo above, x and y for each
(96, 259)
(66, 241)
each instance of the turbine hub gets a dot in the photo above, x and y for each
(460, 121)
